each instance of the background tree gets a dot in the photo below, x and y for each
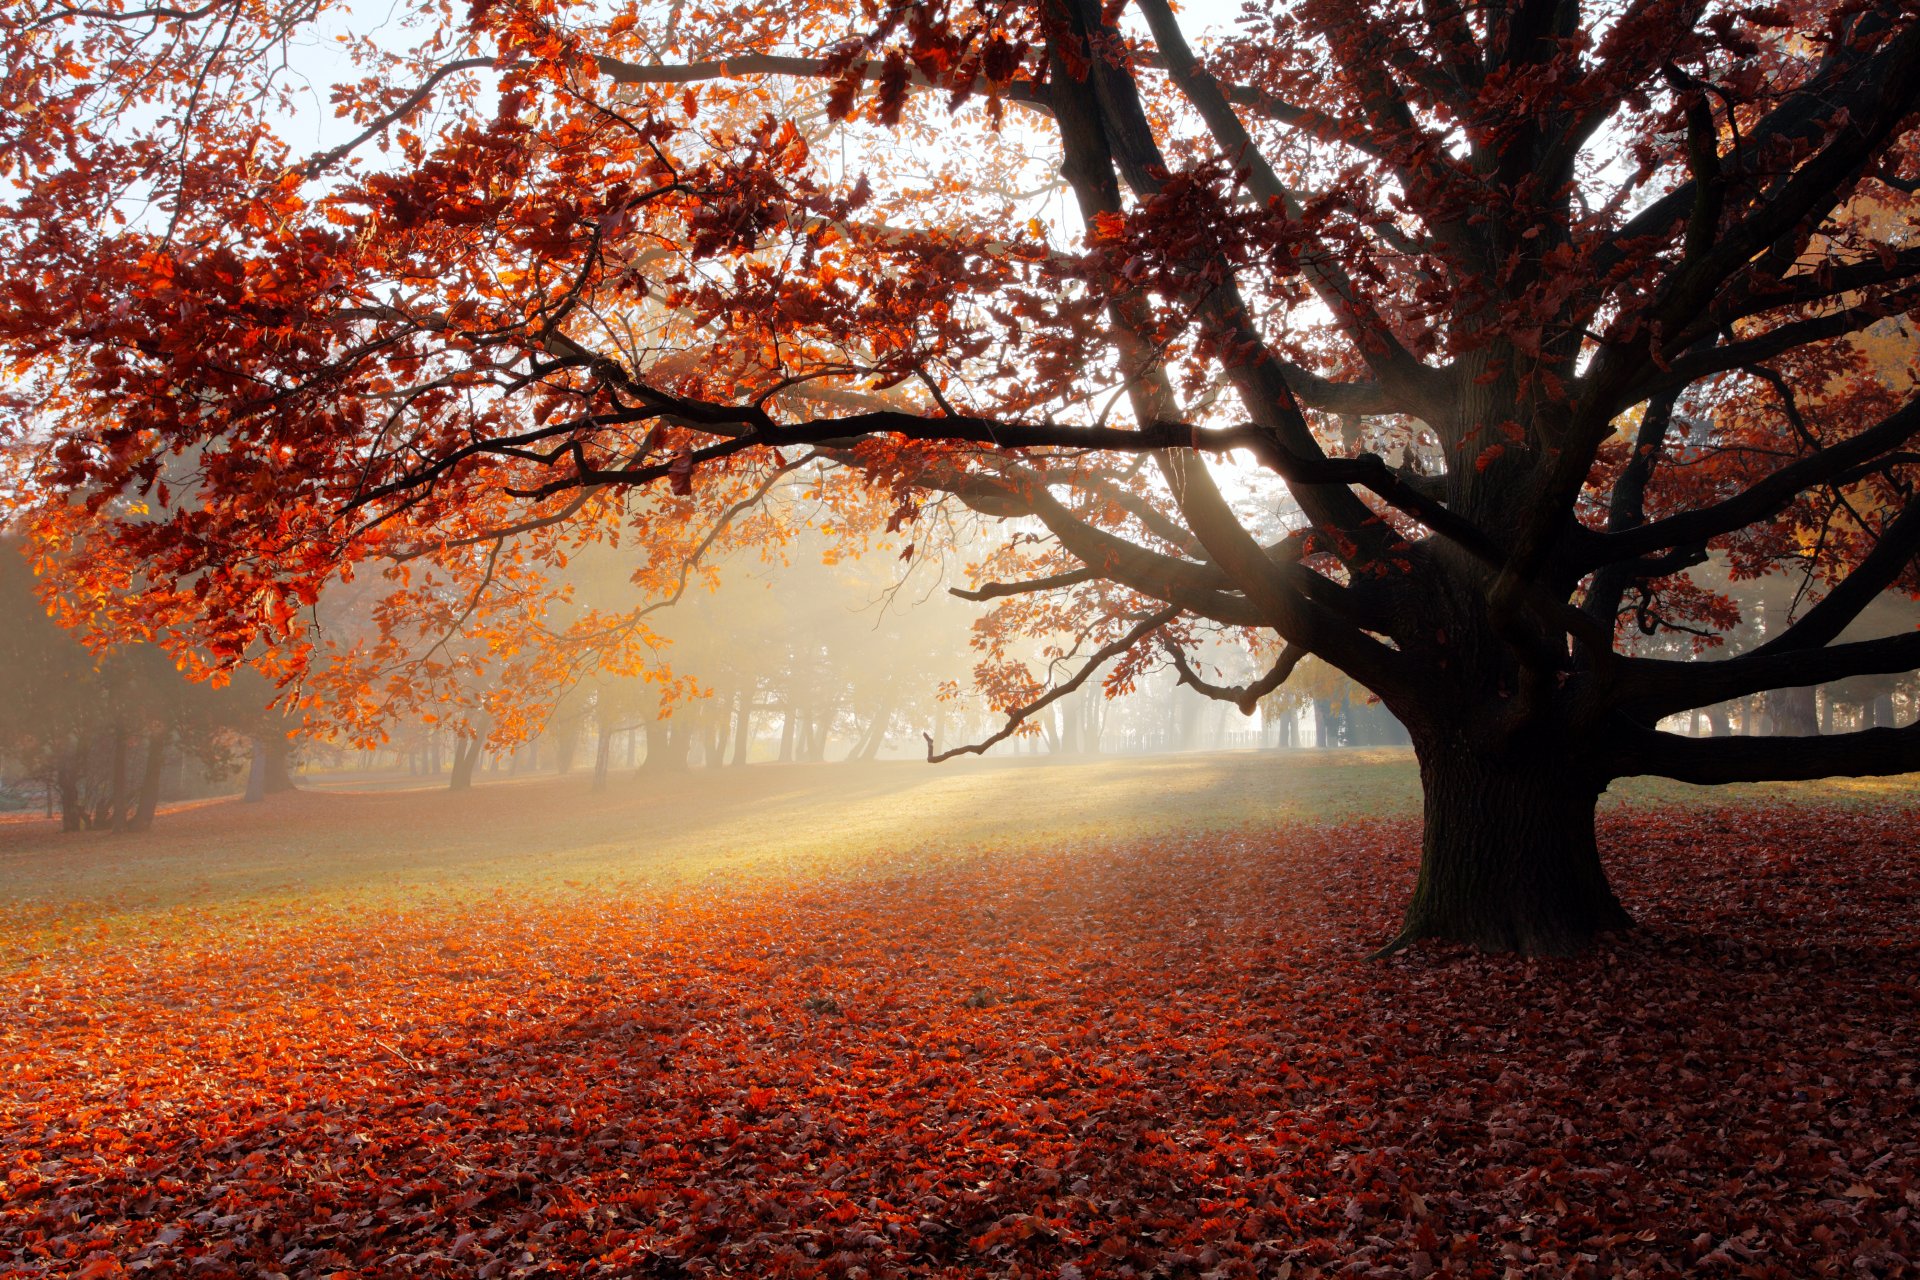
(1478, 279)
(99, 728)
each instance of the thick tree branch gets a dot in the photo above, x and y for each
(1651, 687)
(1710, 761)
(1762, 499)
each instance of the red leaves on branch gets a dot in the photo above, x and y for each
(1103, 1060)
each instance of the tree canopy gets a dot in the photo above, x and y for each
(1438, 342)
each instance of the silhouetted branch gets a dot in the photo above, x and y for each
(1019, 715)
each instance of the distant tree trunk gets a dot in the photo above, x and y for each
(742, 729)
(73, 815)
(876, 734)
(813, 737)
(1826, 711)
(1191, 722)
(602, 757)
(270, 771)
(466, 754)
(787, 734)
(669, 743)
(1322, 723)
(1794, 712)
(1072, 721)
(147, 799)
(1718, 720)
(567, 746)
(279, 754)
(112, 812)
(1880, 710)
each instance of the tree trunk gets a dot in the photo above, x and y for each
(1508, 859)
(743, 730)
(147, 799)
(73, 815)
(466, 754)
(1794, 712)
(669, 743)
(279, 763)
(602, 757)
(112, 815)
(870, 742)
(719, 725)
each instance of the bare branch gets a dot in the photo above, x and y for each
(1023, 92)
(1245, 696)
(1053, 582)
(1019, 715)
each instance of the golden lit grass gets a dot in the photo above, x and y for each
(548, 834)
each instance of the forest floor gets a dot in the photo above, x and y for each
(1059, 1020)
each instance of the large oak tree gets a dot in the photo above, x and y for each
(1437, 341)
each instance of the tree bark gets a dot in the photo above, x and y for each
(1508, 858)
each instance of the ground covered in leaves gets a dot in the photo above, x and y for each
(1159, 1057)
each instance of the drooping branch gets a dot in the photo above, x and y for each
(1019, 715)
(1244, 696)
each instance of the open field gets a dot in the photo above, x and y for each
(1093, 1019)
(550, 834)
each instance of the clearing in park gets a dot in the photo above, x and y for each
(1040, 1019)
